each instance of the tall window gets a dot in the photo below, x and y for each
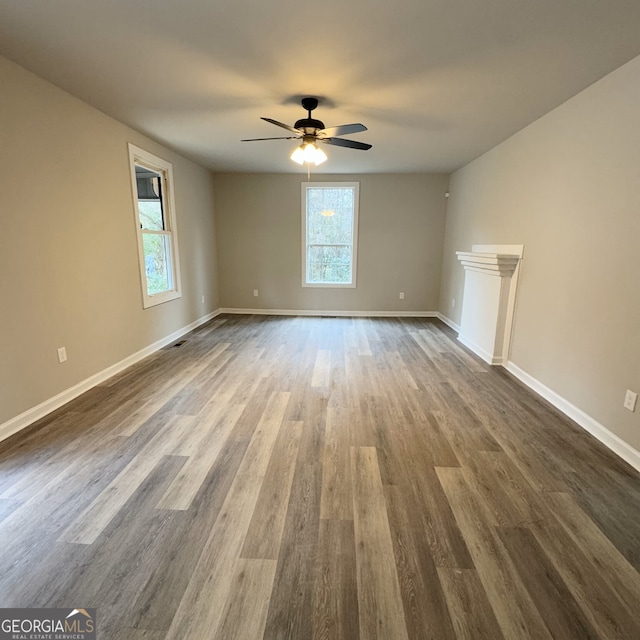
(154, 211)
(329, 234)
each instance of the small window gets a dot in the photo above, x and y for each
(154, 212)
(329, 234)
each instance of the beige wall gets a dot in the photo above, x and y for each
(68, 257)
(568, 188)
(401, 229)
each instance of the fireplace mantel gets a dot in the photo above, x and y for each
(488, 301)
(499, 264)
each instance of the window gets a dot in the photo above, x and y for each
(154, 211)
(329, 234)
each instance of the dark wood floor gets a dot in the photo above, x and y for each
(320, 478)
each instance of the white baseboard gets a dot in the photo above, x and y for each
(449, 322)
(328, 312)
(597, 430)
(40, 411)
(485, 355)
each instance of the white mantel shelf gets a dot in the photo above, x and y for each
(497, 264)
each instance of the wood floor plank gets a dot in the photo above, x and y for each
(614, 507)
(611, 565)
(337, 501)
(503, 490)
(291, 610)
(202, 606)
(598, 601)
(379, 599)
(425, 609)
(515, 611)
(157, 602)
(554, 601)
(93, 521)
(421, 504)
(399, 369)
(336, 592)
(247, 604)
(265, 530)
(469, 608)
(321, 369)
(170, 388)
(211, 326)
(357, 339)
(181, 492)
(451, 345)
(126, 542)
(56, 465)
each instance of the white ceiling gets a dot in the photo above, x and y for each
(437, 82)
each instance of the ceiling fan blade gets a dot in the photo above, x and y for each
(282, 124)
(279, 138)
(341, 142)
(342, 130)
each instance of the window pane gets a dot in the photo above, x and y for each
(329, 216)
(150, 215)
(157, 262)
(150, 201)
(329, 264)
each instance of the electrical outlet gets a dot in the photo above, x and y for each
(402, 295)
(630, 400)
(202, 299)
(62, 355)
(453, 303)
(255, 293)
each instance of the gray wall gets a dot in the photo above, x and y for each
(401, 230)
(69, 271)
(568, 188)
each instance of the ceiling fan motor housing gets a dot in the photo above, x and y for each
(309, 125)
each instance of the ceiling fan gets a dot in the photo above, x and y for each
(312, 131)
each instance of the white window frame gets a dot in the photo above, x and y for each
(354, 247)
(138, 156)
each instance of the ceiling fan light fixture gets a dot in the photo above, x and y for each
(298, 155)
(308, 152)
(321, 156)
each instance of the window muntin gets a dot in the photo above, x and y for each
(152, 180)
(329, 233)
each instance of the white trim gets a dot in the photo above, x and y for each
(597, 430)
(494, 264)
(354, 237)
(40, 411)
(478, 350)
(328, 312)
(449, 322)
(516, 249)
(150, 161)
